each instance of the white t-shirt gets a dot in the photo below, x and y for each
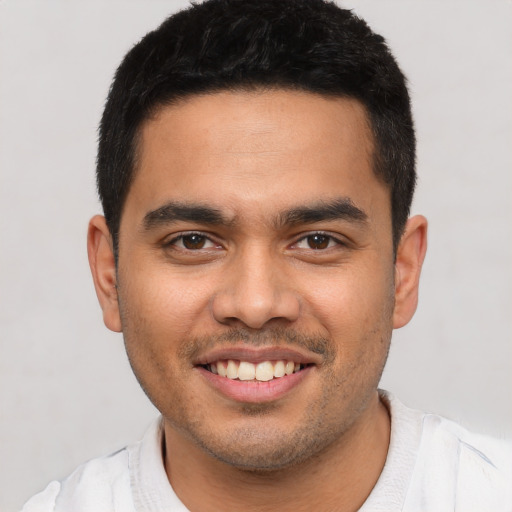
(433, 465)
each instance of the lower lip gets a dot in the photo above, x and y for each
(254, 391)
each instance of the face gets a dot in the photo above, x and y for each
(256, 242)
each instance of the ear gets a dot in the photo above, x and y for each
(409, 260)
(103, 268)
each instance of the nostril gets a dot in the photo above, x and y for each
(254, 311)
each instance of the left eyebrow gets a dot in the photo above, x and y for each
(338, 209)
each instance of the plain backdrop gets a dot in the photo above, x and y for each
(67, 393)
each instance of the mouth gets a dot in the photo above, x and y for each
(252, 375)
(263, 371)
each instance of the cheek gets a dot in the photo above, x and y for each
(355, 310)
(159, 312)
(350, 303)
(167, 305)
(157, 317)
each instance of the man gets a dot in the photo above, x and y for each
(256, 169)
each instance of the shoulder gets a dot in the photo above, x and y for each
(484, 469)
(477, 456)
(472, 471)
(133, 478)
(95, 485)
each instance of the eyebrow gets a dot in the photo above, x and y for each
(176, 211)
(338, 209)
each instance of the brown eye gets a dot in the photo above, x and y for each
(193, 241)
(318, 241)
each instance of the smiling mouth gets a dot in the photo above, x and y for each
(260, 372)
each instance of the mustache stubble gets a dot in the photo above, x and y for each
(271, 337)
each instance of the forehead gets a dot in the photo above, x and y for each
(241, 150)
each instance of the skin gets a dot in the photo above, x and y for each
(258, 281)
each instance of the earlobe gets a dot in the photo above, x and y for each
(409, 260)
(103, 268)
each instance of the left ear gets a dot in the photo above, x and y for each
(409, 260)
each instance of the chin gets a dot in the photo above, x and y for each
(265, 450)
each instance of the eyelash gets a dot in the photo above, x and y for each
(330, 239)
(207, 238)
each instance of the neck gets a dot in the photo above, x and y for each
(339, 478)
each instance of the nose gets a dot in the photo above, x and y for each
(255, 291)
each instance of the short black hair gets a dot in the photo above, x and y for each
(218, 45)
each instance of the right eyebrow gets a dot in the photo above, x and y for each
(177, 211)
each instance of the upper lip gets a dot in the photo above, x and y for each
(258, 354)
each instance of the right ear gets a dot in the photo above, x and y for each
(103, 268)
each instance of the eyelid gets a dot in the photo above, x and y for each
(179, 236)
(339, 240)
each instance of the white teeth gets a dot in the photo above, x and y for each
(221, 369)
(244, 370)
(232, 370)
(265, 371)
(279, 369)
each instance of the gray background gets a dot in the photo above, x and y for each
(66, 391)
